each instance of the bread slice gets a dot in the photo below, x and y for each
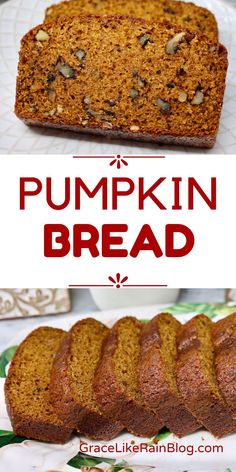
(224, 339)
(27, 388)
(157, 374)
(122, 77)
(73, 372)
(116, 381)
(185, 15)
(196, 377)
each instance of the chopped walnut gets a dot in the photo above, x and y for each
(41, 36)
(144, 39)
(198, 98)
(65, 70)
(134, 93)
(80, 54)
(182, 96)
(173, 43)
(134, 128)
(59, 109)
(163, 106)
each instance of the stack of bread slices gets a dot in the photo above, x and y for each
(150, 70)
(136, 376)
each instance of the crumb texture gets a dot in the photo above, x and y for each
(124, 77)
(186, 15)
(197, 380)
(224, 338)
(157, 374)
(73, 373)
(138, 376)
(27, 388)
(120, 395)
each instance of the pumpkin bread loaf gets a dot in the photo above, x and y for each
(122, 77)
(224, 339)
(185, 15)
(72, 377)
(116, 381)
(27, 388)
(157, 374)
(196, 377)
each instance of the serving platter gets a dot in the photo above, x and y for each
(198, 452)
(18, 16)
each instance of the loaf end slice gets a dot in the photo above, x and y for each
(72, 393)
(126, 78)
(181, 14)
(157, 374)
(116, 381)
(27, 388)
(224, 339)
(196, 377)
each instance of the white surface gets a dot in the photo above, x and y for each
(17, 17)
(41, 457)
(23, 242)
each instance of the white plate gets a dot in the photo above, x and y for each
(41, 457)
(17, 17)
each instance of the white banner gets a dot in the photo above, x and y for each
(158, 221)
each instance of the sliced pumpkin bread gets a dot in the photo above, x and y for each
(116, 381)
(224, 338)
(123, 77)
(157, 374)
(72, 378)
(27, 388)
(196, 377)
(183, 14)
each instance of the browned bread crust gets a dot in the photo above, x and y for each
(118, 90)
(157, 374)
(113, 394)
(76, 408)
(224, 339)
(196, 377)
(179, 13)
(27, 381)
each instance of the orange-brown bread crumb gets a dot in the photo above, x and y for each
(224, 339)
(183, 14)
(125, 78)
(72, 378)
(116, 381)
(157, 374)
(27, 388)
(196, 377)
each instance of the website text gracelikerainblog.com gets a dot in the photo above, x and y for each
(151, 448)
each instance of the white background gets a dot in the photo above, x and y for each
(211, 263)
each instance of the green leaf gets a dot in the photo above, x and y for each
(228, 470)
(182, 308)
(163, 434)
(120, 466)
(211, 310)
(5, 433)
(5, 358)
(8, 437)
(83, 460)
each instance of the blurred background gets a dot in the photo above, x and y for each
(23, 308)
